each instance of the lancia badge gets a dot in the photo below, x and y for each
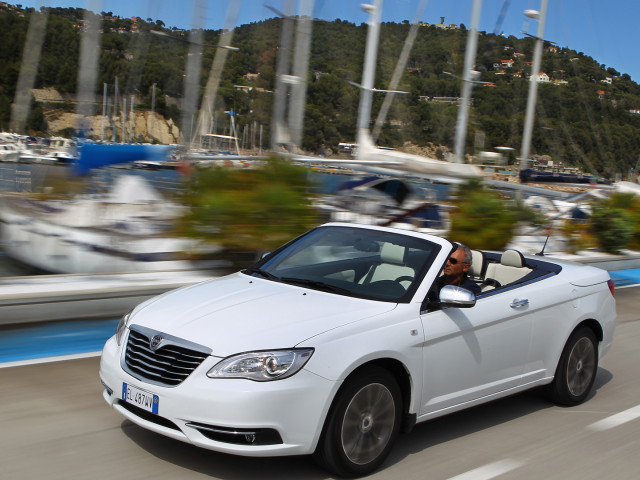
(155, 342)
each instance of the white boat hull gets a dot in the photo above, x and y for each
(128, 230)
(61, 249)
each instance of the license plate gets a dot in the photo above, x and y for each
(145, 400)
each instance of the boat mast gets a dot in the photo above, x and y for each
(114, 126)
(104, 109)
(28, 70)
(279, 134)
(291, 82)
(368, 75)
(88, 71)
(467, 83)
(124, 119)
(153, 113)
(300, 67)
(399, 71)
(192, 80)
(533, 84)
(205, 115)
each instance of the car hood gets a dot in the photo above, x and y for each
(239, 313)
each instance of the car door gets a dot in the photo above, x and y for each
(470, 353)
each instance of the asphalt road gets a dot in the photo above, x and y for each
(54, 424)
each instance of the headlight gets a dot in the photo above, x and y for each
(262, 366)
(122, 328)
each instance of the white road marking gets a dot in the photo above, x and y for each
(616, 420)
(490, 470)
(35, 361)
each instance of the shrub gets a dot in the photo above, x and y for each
(629, 203)
(612, 227)
(481, 219)
(577, 235)
(249, 209)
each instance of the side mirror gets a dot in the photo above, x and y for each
(458, 297)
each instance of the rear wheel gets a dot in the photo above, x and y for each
(362, 425)
(577, 368)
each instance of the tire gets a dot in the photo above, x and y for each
(362, 425)
(576, 369)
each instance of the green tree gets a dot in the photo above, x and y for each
(481, 219)
(249, 210)
(628, 203)
(612, 228)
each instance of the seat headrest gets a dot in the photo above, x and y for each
(391, 253)
(512, 258)
(477, 263)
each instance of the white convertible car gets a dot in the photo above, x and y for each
(332, 345)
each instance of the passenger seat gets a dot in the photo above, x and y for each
(478, 266)
(512, 267)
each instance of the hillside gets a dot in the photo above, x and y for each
(587, 114)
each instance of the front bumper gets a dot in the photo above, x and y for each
(228, 415)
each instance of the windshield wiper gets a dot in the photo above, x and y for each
(317, 285)
(264, 273)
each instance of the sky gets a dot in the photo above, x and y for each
(608, 31)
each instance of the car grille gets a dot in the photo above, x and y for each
(169, 365)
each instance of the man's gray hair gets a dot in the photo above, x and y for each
(467, 253)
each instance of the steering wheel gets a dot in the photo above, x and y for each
(404, 278)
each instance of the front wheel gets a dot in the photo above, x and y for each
(577, 368)
(362, 424)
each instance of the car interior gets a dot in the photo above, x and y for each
(510, 268)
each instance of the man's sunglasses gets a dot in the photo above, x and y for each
(452, 260)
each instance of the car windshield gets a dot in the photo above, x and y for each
(358, 262)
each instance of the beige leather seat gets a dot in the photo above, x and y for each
(512, 267)
(392, 266)
(476, 272)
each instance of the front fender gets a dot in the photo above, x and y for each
(397, 335)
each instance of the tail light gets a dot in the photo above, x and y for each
(612, 287)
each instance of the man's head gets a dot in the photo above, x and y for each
(457, 264)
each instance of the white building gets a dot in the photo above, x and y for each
(542, 77)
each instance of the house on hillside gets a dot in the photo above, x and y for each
(540, 78)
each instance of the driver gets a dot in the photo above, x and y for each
(455, 270)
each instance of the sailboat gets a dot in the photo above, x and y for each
(127, 229)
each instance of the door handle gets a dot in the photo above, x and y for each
(519, 303)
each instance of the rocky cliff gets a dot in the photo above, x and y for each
(139, 126)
